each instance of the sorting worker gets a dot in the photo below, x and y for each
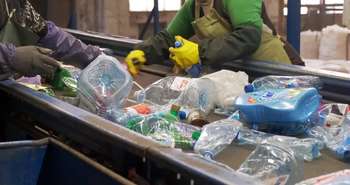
(227, 30)
(29, 45)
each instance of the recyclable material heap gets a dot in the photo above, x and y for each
(282, 117)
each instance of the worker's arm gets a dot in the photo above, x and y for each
(245, 15)
(157, 48)
(67, 48)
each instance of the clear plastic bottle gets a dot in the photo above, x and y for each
(216, 136)
(163, 91)
(104, 85)
(199, 94)
(273, 164)
(308, 148)
(280, 82)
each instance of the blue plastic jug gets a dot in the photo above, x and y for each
(279, 111)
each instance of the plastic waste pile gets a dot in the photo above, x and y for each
(158, 123)
(336, 178)
(174, 111)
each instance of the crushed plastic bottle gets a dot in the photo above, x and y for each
(281, 82)
(252, 137)
(332, 115)
(273, 164)
(280, 111)
(65, 71)
(216, 136)
(335, 139)
(199, 94)
(104, 85)
(163, 91)
(336, 178)
(308, 148)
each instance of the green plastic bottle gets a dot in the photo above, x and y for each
(57, 82)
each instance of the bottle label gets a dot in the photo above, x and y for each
(180, 84)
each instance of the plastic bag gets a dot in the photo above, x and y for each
(228, 85)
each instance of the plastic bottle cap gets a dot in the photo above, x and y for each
(182, 115)
(291, 85)
(196, 135)
(208, 155)
(269, 94)
(139, 96)
(178, 44)
(249, 88)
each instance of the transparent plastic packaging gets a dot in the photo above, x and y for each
(199, 94)
(163, 91)
(216, 136)
(281, 82)
(308, 148)
(104, 85)
(273, 164)
(228, 85)
(336, 139)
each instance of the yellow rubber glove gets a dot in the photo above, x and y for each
(134, 60)
(186, 55)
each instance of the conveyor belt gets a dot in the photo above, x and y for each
(234, 155)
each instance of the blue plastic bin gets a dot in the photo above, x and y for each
(48, 161)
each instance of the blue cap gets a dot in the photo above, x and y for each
(182, 115)
(269, 94)
(291, 85)
(178, 44)
(249, 88)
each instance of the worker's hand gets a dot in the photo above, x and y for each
(134, 60)
(33, 60)
(186, 55)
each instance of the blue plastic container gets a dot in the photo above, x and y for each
(48, 161)
(280, 111)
